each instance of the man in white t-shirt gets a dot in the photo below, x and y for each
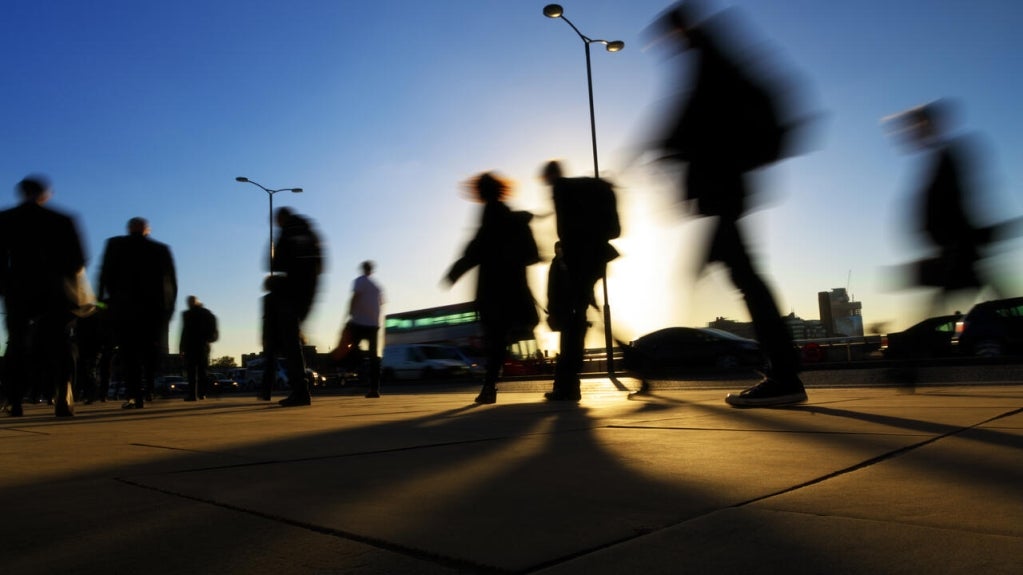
(364, 321)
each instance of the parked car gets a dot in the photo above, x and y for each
(477, 364)
(932, 337)
(683, 347)
(170, 385)
(993, 328)
(221, 383)
(422, 361)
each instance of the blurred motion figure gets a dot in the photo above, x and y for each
(945, 202)
(502, 248)
(731, 124)
(297, 264)
(40, 255)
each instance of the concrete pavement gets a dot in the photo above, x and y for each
(858, 480)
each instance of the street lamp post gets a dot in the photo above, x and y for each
(270, 193)
(556, 11)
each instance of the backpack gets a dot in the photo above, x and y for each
(587, 210)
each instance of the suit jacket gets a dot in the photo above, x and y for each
(40, 253)
(198, 331)
(139, 282)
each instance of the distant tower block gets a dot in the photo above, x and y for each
(840, 315)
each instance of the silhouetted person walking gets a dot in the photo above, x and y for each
(944, 198)
(364, 321)
(587, 218)
(40, 254)
(139, 282)
(298, 257)
(198, 331)
(728, 126)
(502, 248)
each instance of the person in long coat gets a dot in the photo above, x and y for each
(139, 282)
(502, 249)
(40, 255)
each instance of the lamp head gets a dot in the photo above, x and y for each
(553, 11)
(241, 179)
(615, 46)
(296, 190)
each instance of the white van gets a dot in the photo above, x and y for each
(422, 361)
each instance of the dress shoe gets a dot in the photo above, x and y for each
(562, 396)
(16, 411)
(373, 394)
(64, 411)
(293, 401)
(487, 395)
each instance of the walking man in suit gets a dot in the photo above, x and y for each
(198, 331)
(139, 283)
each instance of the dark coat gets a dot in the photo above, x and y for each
(40, 254)
(502, 249)
(299, 254)
(139, 282)
(947, 223)
(728, 125)
(198, 331)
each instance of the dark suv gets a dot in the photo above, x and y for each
(993, 328)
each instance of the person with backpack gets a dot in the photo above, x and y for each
(587, 219)
(502, 248)
(728, 126)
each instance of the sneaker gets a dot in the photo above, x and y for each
(767, 393)
(130, 404)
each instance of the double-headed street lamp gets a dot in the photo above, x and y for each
(270, 193)
(556, 11)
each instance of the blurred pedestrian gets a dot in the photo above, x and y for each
(946, 202)
(730, 124)
(198, 331)
(95, 342)
(364, 322)
(502, 248)
(297, 263)
(41, 256)
(139, 282)
(587, 219)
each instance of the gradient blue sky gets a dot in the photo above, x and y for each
(380, 110)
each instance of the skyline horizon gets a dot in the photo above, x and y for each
(158, 120)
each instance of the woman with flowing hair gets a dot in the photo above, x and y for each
(502, 248)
